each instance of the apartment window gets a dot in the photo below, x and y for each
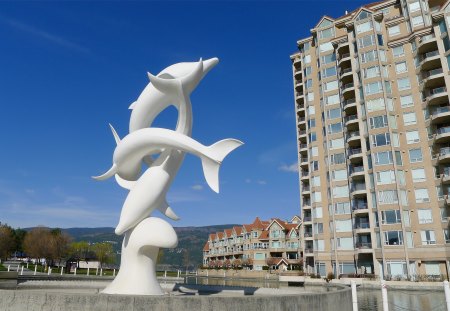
(363, 27)
(425, 216)
(326, 33)
(336, 143)
(412, 137)
(401, 67)
(342, 208)
(393, 238)
(414, 6)
(391, 217)
(311, 123)
(415, 155)
(418, 175)
(417, 21)
(329, 72)
(307, 59)
(409, 118)
(376, 105)
(385, 177)
(406, 218)
(315, 165)
(317, 213)
(319, 245)
(421, 195)
(318, 228)
(403, 84)
(345, 243)
(310, 96)
(324, 47)
(316, 197)
(343, 225)
(334, 113)
(369, 56)
(312, 137)
(335, 128)
(378, 122)
(340, 192)
(428, 237)
(311, 110)
(337, 158)
(366, 41)
(398, 158)
(387, 197)
(381, 139)
(406, 101)
(372, 72)
(308, 83)
(330, 58)
(394, 30)
(398, 51)
(332, 99)
(315, 181)
(339, 174)
(308, 70)
(383, 158)
(373, 88)
(330, 86)
(447, 236)
(314, 151)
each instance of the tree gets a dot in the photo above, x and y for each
(104, 252)
(160, 257)
(7, 243)
(79, 250)
(19, 237)
(60, 244)
(186, 259)
(37, 243)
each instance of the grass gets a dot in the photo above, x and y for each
(3, 268)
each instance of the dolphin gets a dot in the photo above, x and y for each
(127, 160)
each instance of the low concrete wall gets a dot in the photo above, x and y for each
(251, 274)
(8, 280)
(17, 300)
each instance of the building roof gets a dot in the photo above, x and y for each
(212, 236)
(206, 247)
(264, 235)
(228, 232)
(237, 230)
(220, 235)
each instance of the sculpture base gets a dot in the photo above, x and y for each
(140, 247)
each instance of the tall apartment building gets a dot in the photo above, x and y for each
(373, 120)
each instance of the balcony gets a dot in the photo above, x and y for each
(305, 189)
(433, 78)
(302, 133)
(299, 98)
(309, 251)
(299, 87)
(445, 176)
(301, 120)
(427, 44)
(440, 115)
(430, 60)
(307, 219)
(303, 147)
(360, 207)
(303, 161)
(355, 155)
(297, 62)
(301, 107)
(306, 204)
(298, 73)
(354, 138)
(344, 58)
(346, 75)
(347, 89)
(358, 189)
(437, 96)
(357, 172)
(351, 120)
(362, 227)
(444, 155)
(308, 235)
(363, 247)
(349, 106)
(442, 135)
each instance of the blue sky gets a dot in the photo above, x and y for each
(67, 69)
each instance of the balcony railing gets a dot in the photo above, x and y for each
(344, 56)
(309, 250)
(427, 37)
(362, 225)
(350, 118)
(433, 72)
(438, 90)
(307, 218)
(344, 71)
(357, 169)
(306, 189)
(303, 159)
(302, 146)
(443, 130)
(357, 187)
(304, 174)
(300, 119)
(348, 102)
(302, 132)
(354, 151)
(306, 203)
(358, 206)
(308, 234)
(444, 151)
(348, 85)
(363, 245)
(428, 55)
(441, 110)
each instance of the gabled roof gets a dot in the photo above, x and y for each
(324, 22)
(247, 228)
(281, 223)
(237, 230)
(280, 261)
(212, 236)
(264, 235)
(206, 247)
(228, 233)
(292, 230)
(296, 219)
(257, 224)
(220, 235)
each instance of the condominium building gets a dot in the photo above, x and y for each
(373, 121)
(273, 244)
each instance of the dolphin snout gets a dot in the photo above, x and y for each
(209, 64)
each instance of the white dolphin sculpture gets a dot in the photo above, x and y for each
(127, 160)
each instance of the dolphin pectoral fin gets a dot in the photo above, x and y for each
(211, 164)
(126, 184)
(108, 174)
(191, 80)
(116, 136)
(166, 210)
(132, 105)
(148, 160)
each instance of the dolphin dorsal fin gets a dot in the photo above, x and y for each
(108, 174)
(132, 105)
(166, 210)
(116, 136)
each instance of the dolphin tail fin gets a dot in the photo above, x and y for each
(108, 174)
(211, 164)
(166, 210)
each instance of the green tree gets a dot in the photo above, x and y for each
(60, 244)
(19, 237)
(104, 252)
(79, 250)
(7, 243)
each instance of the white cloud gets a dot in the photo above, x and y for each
(197, 187)
(293, 168)
(248, 181)
(261, 182)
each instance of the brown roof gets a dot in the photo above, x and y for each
(290, 226)
(264, 235)
(228, 232)
(257, 224)
(238, 230)
(220, 235)
(206, 247)
(248, 228)
(212, 236)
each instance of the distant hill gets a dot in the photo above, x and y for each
(190, 242)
